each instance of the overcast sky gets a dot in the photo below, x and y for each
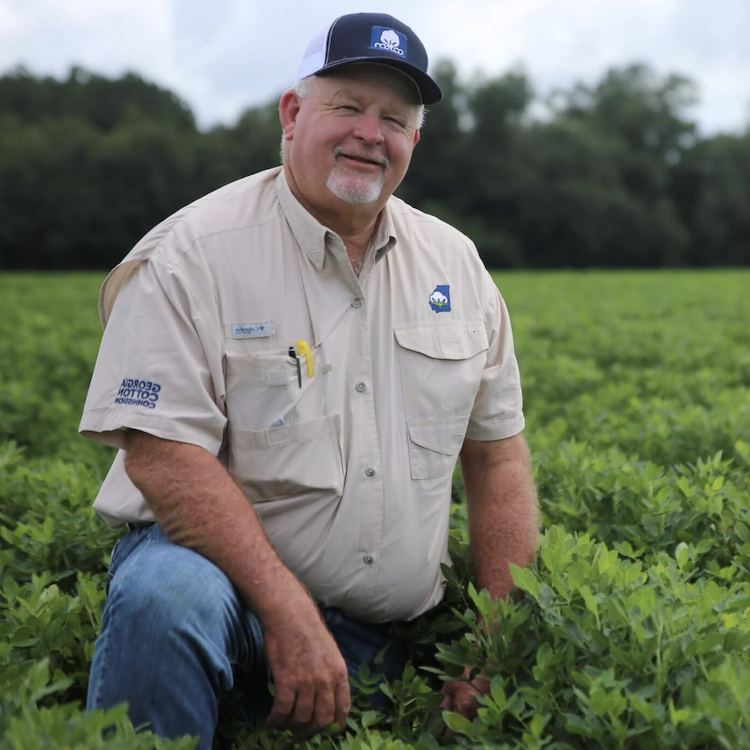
(224, 55)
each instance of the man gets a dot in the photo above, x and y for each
(305, 341)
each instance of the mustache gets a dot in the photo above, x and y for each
(381, 160)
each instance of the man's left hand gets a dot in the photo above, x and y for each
(461, 697)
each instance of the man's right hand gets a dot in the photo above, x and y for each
(310, 675)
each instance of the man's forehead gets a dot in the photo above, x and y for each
(356, 77)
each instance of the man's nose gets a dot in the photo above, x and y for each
(368, 128)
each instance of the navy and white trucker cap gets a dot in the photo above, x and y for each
(370, 37)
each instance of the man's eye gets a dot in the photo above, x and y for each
(348, 108)
(394, 120)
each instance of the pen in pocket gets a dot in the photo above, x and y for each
(293, 354)
(303, 348)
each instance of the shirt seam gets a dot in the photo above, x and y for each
(178, 271)
(170, 266)
(168, 425)
(500, 418)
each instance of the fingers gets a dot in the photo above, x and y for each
(309, 710)
(312, 682)
(343, 704)
(461, 697)
(447, 704)
(465, 703)
(325, 707)
(282, 707)
(304, 708)
(331, 706)
(320, 715)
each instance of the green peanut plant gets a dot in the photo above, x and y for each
(630, 631)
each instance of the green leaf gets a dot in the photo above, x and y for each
(574, 632)
(682, 554)
(576, 725)
(538, 723)
(497, 692)
(644, 708)
(590, 602)
(25, 643)
(704, 645)
(544, 655)
(678, 716)
(458, 723)
(525, 580)
(370, 718)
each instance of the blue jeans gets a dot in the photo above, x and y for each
(176, 639)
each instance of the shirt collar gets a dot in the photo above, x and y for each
(311, 235)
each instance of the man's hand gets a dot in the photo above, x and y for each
(461, 697)
(310, 675)
(503, 522)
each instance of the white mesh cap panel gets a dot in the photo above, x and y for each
(315, 54)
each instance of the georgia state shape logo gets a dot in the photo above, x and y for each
(440, 299)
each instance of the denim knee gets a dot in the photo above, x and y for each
(162, 591)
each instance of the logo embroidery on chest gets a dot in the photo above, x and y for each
(440, 299)
(250, 330)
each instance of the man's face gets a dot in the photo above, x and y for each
(352, 137)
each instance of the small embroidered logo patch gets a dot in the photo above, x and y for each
(390, 40)
(440, 299)
(251, 330)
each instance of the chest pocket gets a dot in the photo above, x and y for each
(441, 369)
(281, 441)
(261, 385)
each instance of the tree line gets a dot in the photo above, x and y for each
(613, 174)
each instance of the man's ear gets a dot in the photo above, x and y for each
(289, 106)
(417, 136)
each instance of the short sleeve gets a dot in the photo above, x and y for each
(498, 407)
(159, 368)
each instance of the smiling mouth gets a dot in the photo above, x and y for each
(362, 159)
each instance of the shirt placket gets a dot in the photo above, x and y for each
(364, 470)
(369, 460)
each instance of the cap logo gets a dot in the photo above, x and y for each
(383, 38)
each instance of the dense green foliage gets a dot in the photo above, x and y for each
(633, 630)
(613, 175)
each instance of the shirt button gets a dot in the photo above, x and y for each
(356, 303)
(369, 471)
(361, 387)
(368, 559)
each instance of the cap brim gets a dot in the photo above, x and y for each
(429, 91)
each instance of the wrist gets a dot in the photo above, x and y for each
(281, 595)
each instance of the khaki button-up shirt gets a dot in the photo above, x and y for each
(346, 450)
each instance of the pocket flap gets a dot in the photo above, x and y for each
(296, 432)
(455, 339)
(440, 435)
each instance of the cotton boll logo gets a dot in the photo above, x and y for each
(440, 299)
(389, 40)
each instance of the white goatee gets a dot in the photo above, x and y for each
(353, 187)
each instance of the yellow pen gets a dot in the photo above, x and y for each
(304, 348)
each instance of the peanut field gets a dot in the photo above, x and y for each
(632, 629)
